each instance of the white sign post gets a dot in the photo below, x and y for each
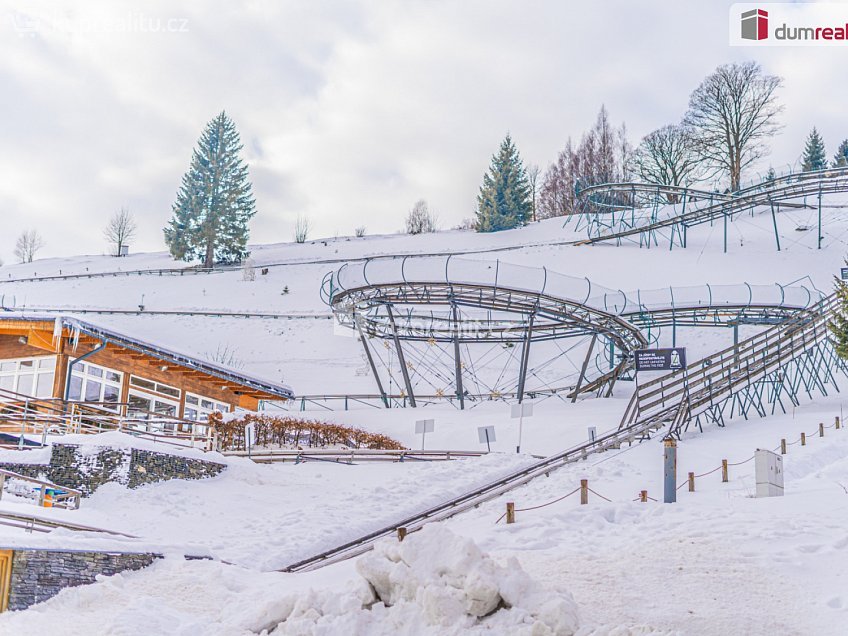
(423, 427)
(249, 436)
(520, 411)
(486, 434)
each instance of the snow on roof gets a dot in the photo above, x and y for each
(107, 334)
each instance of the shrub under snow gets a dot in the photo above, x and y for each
(435, 582)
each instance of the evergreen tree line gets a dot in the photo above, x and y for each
(730, 118)
(814, 156)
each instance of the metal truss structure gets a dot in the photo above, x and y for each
(469, 331)
(650, 212)
(770, 370)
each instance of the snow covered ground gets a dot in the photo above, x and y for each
(717, 562)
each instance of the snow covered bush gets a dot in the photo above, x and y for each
(287, 431)
(435, 582)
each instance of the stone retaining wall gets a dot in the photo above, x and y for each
(86, 468)
(38, 575)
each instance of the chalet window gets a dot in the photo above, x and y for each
(142, 406)
(154, 387)
(198, 407)
(92, 383)
(29, 376)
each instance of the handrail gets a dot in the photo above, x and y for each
(628, 432)
(66, 494)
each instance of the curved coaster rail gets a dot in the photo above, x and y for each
(633, 219)
(793, 356)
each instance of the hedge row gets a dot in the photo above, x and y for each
(287, 431)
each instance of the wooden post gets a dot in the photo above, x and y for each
(643, 496)
(691, 482)
(584, 492)
(821, 429)
(401, 533)
(510, 512)
(724, 478)
(783, 446)
(2, 483)
(836, 422)
(803, 439)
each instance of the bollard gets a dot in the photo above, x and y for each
(821, 429)
(803, 439)
(401, 533)
(783, 446)
(724, 478)
(691, 482)
(669, 470)
(643, 496)
(836, 422)
(510, 512)
(584, 492)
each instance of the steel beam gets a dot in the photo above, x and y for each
(401, 359)
(525, 357)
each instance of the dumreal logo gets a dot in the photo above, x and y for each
(755, 24)
(810, 24)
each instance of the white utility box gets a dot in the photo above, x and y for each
(768, 470)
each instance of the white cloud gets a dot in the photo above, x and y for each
(349, 112)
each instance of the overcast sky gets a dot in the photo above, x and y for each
(349, 111)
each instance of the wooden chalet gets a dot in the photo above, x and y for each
(69, 359)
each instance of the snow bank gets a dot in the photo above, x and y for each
(435, 582)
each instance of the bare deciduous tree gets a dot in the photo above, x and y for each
(120, 230)
(733, 113)
(360, 231)
(420, 220)
(668, 156)
(556, 196)
(27, 245)
(301, 229)
(533, 179)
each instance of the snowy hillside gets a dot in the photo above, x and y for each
(718, 562)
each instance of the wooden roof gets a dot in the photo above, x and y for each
(72, 336)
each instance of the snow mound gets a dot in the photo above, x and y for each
(435, 582)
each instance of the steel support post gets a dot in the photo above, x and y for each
(371, 362)
(401, 359)
(525, 357)
(774, 223)
(583, 368)
(456, 358)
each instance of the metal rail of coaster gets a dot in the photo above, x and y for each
(447, 304)
(615, 211)
(795, 356)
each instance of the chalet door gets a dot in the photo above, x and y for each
(5, 578)
(147, 407)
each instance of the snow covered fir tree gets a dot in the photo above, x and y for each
(504, 201)
(215, 202)
(814, 153)
(840, 159)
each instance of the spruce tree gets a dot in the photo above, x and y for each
(814, 153)
(215, 201)
(839, 324)
(840, 159)
(504, 201)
